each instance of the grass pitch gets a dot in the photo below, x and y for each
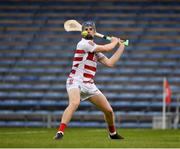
(88, 138)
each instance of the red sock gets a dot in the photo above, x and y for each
(62, 126)
(112, 129)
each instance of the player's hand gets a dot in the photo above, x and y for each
(120, 42)
(114, 39)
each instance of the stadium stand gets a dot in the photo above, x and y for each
(36, 54)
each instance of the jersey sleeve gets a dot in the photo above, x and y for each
(88, 46)
(99, 55)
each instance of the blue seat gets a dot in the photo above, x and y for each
(121, 104)
(48, 78)
(4, 47)
(6, 86)
(139, 104)
(155, 104)
(152, 88)
(34, 95)
(121, 95)
(55, 95)
(144, 70)
(137, 79)
(2, 70)
(130, 125)
(87, 124)
(29, 78)
(135, 113)
(174, 79)
(3, 94)
(9, 78)
(22, 124)
(25, 62)
(4, 112)
(133, 87)
(7, 62)
(145, 96)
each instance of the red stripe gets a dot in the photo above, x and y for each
(90, 56)
(73, 71)
(90, 68)
(77, 59)
(80, 51)
(88, 75)
(76, 65)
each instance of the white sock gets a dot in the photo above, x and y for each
(60, 132)
(112, 133)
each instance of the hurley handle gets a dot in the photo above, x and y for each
(125, 42)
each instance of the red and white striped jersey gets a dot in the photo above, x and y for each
(85, 61)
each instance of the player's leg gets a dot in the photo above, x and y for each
(74, 101)
(102, 103)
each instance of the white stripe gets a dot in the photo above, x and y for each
(78, 55)
(112, 133)
(61, 132)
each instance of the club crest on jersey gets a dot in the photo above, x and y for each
(70, 82)
(91, 43)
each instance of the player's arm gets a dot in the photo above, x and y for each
(110, 62)
(107, 47)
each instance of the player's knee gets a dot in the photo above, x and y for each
(74, 104)
(109, 112)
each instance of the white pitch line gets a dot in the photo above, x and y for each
(25, 132)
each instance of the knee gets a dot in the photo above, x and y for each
(74, 104)
(109, 112)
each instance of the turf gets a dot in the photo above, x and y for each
(88, 138)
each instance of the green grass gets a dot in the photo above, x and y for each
(88, 137)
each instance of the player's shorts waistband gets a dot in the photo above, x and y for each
(77, 79)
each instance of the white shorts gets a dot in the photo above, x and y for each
(87, 89)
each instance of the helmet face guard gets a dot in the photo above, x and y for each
(88, 24)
